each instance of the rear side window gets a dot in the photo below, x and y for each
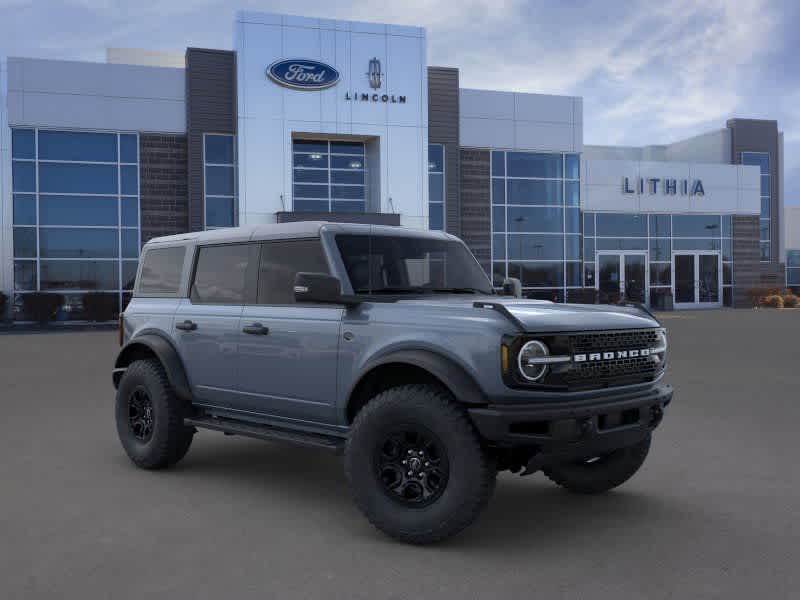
(220, 274)
(280, 262)
(161, 271)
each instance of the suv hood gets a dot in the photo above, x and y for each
(542, 316)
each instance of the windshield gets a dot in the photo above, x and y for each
(407, 265)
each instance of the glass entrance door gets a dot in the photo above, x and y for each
(622, 276)
(697, 279)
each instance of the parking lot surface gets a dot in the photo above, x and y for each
(714, 513)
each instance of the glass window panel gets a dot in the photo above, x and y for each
(347, 148)
(763, 229)
(348, 206)
(311, 175)
(727, 273)
(660, 226)
(498, 191)
(436, 216)
(219, 212)
(129, 176)
(129, 273)
(316, 161)
(573, 274)
(765, 185)
(521, 191)
(499, 247)
(535, 219)
(347, 192)
(161, 271)
(79, 275)
(588, 224)
(25, 242)
(535, 247)
(357, 177)
(77, 145)
(77, 179)
(766, 251)
(24, 209)
(77, 210)
(25, 275)
(498, 163)
(661, 274)
(660, 249)
(436, 187)
(130, 243)
(588, 274)
(572, 190)
(759, 159)
(573, 166)
(793, 277)
(347, 162)
(765, 208)
(543, 274)
(623, 225)
(727, 249)
(311, 205)
(695, 244)
(556, 295)
(310, 146)
(532, 164)
(130, 212)
(727, 297)
(793, 258)
(128, 148)
(572, 245)
(498, 218)
(23, 143)
(621, 243)
(588, 249)
(23, 176)
(219, 149)
(280, 262)
(310, 191)
(78, 243)
(435, 158)
(498, 273)
(572, 220)
(727, 226)
(696, 225)
(219, 181)
(219, 274)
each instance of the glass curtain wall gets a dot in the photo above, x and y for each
(219, 160)
(328, 176)
(536, 221)
(435, 186)
(75, 215)
(761, 160)
(793, 269)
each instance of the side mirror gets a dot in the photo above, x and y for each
(317, 287)
(512, 287)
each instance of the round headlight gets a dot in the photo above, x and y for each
(529, 367)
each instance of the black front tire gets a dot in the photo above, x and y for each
(150, 417)
(600, 474)
(467, 473)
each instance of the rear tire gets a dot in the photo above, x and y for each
(415, 465)
(150, 417)
(602, 473)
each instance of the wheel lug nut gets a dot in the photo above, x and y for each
(410, 473)
(404, 461)
(411, 452)
(422, 475)
(427, 464)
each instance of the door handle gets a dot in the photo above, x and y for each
(256, 329)
(186, 326)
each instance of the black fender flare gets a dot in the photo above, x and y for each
(166, 354)
(453, 376)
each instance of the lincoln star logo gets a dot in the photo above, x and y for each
(595, 356)
(302, 74)
(374, 74)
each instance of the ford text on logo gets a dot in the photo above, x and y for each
(612, 355)
(302, 74)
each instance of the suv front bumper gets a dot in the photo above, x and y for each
(574, 429)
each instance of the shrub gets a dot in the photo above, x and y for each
(773, 301)
(41, 306)
(790, 300)
(98, 306)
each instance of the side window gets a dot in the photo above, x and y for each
(161, 271)
(280, 262)
(219, 276)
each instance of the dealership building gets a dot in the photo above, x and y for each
(339, 120)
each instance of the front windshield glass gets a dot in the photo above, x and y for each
(407, 265)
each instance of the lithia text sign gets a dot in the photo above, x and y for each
(667, 186)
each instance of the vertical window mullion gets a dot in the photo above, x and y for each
(36, 188)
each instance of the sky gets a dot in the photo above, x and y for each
(649, 72)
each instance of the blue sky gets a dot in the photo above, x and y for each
(649, 72)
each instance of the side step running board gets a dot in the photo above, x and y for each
(265, 432)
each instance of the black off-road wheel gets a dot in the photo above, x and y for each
(416, 466)
(601, 473)
(150, 417)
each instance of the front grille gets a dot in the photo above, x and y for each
(613, 340)
(614, 371)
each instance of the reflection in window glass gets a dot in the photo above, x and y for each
(535, 219)
(23, 176)
(25, 275)
(535, 247)
(55, 242)
(696, 225)
(77, 210)
(130, 243)
(536, 192)
(79, 275)
(624, 225)
(161, 271)
(436, 186)
(24, 209)
(68, 178)
(219, 274)
(573, 166)
(23, 143)
(78, 146)
(25, 242)
(316, 164)
(498, 163)
(219, 156)
(532, 164)
(279, 264)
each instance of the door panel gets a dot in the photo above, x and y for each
(608, 277)
(684, 278)
(635, 274)
(708, 276)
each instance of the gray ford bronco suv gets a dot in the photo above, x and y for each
(389, 346)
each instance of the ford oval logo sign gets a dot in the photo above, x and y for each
(303, 74)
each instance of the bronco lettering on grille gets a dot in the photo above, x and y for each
(595, 356)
